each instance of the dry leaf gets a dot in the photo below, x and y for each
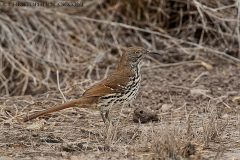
(37, 125)
(207, 65)
(235, 98)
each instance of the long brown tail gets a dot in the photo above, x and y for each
(81, 103)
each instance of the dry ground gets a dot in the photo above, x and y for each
(197, 102)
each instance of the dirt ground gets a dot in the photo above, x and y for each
(197, 102)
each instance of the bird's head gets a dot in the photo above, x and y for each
(134, 55)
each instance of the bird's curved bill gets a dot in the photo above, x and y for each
(153, 52)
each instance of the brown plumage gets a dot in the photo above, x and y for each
(117, 89)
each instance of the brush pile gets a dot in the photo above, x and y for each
(37, 42)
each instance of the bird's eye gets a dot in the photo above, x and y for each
(136, 52)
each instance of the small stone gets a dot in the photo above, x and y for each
(166, 107)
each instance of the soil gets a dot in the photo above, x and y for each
(196, 103)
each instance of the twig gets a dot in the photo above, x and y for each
(198, 77)
(204, 48)
(60, 88)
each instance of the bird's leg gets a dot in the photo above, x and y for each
(103, 116)
(107, 115)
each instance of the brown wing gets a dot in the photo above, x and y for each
(111, 84)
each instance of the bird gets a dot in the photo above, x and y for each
(118, 89)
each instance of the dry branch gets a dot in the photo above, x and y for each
(35, 42)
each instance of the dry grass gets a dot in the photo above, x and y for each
(179, 134)
(36, 42)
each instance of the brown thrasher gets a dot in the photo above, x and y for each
(117, 89)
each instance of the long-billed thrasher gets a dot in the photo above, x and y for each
(117, 89)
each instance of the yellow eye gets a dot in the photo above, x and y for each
(136, 52)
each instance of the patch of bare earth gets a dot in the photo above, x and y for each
(196, 103)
